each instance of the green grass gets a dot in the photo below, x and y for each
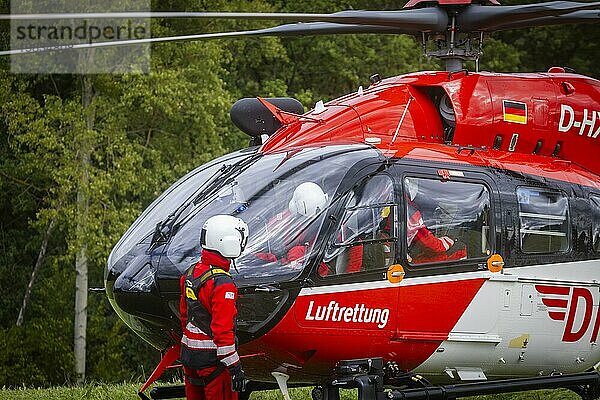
(129, 392)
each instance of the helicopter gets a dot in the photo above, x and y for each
(501, 170)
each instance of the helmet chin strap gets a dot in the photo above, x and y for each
(234, 266)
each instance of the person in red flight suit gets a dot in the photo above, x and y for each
(424, 246)
(307, 201)
(208, 309)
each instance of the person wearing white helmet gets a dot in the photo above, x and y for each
(208, 309)
(423, 245)
(308, 200)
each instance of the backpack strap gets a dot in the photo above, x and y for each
(212, 273)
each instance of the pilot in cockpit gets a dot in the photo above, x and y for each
(423, 245)
(290, 234)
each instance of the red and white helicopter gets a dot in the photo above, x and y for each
(458, 248)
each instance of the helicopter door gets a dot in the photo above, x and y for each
(365, 238)
(352, 295)
(447, 233)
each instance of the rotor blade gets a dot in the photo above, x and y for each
(324, 28)
(300, 29)
(488, 18)
(577, 17)
(423, 20)
(327, 28)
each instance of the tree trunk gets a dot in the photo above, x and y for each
(81, 260)
(36, 269)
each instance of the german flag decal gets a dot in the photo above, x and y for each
(514, 111)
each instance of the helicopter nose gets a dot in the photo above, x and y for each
(132, 290)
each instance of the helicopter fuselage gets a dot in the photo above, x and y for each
(506, 166)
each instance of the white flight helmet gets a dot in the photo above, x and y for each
(225, 234)
(308, 199)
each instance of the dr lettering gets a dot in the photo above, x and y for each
(359, 313)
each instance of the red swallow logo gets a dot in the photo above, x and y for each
(564, 303)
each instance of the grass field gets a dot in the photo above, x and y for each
(129, 392)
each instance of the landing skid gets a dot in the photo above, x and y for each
(369, 375)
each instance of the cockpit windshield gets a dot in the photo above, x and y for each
(141, 232)
(282, 197)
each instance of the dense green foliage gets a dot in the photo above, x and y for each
(148, 130)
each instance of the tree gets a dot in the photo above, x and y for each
(100, 161)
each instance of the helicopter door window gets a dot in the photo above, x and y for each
(365, 239)
(446, 220)
(544, 222)
(595, 200)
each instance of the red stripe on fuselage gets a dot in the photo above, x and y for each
(419, 318)
(557, 315)
(434, 308)
(556, 290)
(555, 303)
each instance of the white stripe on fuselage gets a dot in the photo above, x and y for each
(383, 284)
(562, 272)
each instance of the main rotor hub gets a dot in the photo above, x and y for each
(452, 46)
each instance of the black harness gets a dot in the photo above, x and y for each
(198, 315)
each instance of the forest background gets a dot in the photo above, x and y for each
(82, 156)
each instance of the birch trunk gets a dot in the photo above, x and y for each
(81, 259)
(36, 270)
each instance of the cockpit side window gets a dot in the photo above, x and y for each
(365, 239)
(446, 221)
(544, 220)
(595, 202)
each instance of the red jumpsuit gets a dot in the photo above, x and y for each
(296, 242)
(208, 328)
(424, 246)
